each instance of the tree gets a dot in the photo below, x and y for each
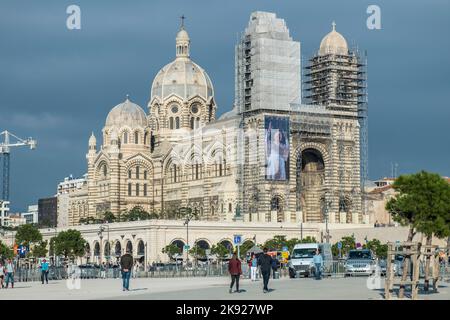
(220, 251)
(109, 217)
(377, 247)
(422, 202)
(40, 249)
(348, 243)
(28, 235)
(197, 252)
(171, 250)
(70, 244)
(247, 245)
(5, 252)
(276, 243)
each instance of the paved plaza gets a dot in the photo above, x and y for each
(207, 288)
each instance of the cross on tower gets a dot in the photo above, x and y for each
(334, 25)
(182, 21)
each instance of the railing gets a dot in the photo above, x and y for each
(331, 269)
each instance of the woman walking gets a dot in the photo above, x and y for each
(254, 267)
(2, 274)
(234, 267)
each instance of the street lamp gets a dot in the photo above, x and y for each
(326, 214)
(100, 233)
(189, 217)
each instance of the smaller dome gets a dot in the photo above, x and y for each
(126, 113)
(182, 35)
(333, 43)
(92, 140)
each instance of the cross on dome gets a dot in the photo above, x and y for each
(182, 21)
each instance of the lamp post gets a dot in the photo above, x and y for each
(100, 233)
(326, 213)
(189, 217)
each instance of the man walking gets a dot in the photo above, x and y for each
(234, 267)
(126, 264)
(265, 263)
(9, 273)
(318, 263)
(44, 271)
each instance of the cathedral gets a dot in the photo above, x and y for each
(289, 150)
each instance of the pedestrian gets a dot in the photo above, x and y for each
(44, 271)
(254, 267)
(135, 270)
(103, 270)
(2, 274)
(318, 263)
(9, 273)
(126, 265)
(265, 263)
(234, 267)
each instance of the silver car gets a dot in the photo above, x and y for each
(360, 262)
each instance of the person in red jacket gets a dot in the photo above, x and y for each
(234, 267)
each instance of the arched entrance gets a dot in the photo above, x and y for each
(129, 247)
(118, 249)
(312, 182)
(179, 243)
(97, 251)
(203, 245)
(141, 251)
(107, 251)
(227, 244)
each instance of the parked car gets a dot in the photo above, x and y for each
(360, 262)
(301, 259)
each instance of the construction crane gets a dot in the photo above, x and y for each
(10, 140)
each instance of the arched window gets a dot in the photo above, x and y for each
(137, 189)
(129, 189)
(177, 122)
(145, 174)
(196, 171)
(171, 123)
(174, 173)
(145, 189)
(146, 138)
(136, 137)
(125, 137)
(105, 170)
(197, 123)
(192, 122)
(129, 174)
(230, 208)
(137, 172)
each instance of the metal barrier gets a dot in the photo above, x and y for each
(60, 273)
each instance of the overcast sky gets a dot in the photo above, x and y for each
(58, 85)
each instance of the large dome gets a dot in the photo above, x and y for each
(333, 43)
(182, 76)
(126, 113)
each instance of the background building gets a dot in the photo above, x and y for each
(4, 212)
(31, 216)
(48, 212)
(70, 186)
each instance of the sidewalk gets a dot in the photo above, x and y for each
(212, 288)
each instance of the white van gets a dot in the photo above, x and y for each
(301, 258)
